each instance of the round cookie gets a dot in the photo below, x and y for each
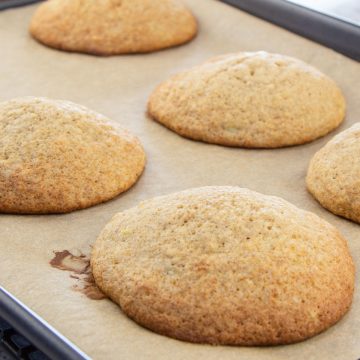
(251, 99)
(56, 156)
(225, 265)
(334, 174)
(109, 27)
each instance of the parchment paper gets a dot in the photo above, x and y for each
(118, 87)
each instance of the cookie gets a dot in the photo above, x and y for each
(334, 173)
(225, 265)
(109, 27)
(251, 99)
(56, 156)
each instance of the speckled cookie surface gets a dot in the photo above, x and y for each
(56, 156)
(225, 265)
(109, 27)
(334, 174)
(258, 100)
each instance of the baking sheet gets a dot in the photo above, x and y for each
(118, 87)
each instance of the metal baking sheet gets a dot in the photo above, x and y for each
(6, 4)
(118, 87)
(336, 33)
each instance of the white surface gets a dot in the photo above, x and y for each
(345, 9)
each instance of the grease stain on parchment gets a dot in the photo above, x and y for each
(79, 266)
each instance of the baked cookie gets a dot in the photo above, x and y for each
(109, 27)
(56, 156)
(251, 99)
(334, 174)
(225, 265)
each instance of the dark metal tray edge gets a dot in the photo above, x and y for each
(36, 330)
(332, 32)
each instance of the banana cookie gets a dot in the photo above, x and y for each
(56, 156)
(334, 173)
(225, 265)
(109, 27)
(251, 99)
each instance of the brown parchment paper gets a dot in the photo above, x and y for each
(118, 87)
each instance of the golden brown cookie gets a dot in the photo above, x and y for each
(56, 156)
(225, 265)
(109, 27)
(251, 99)
(334, 174)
